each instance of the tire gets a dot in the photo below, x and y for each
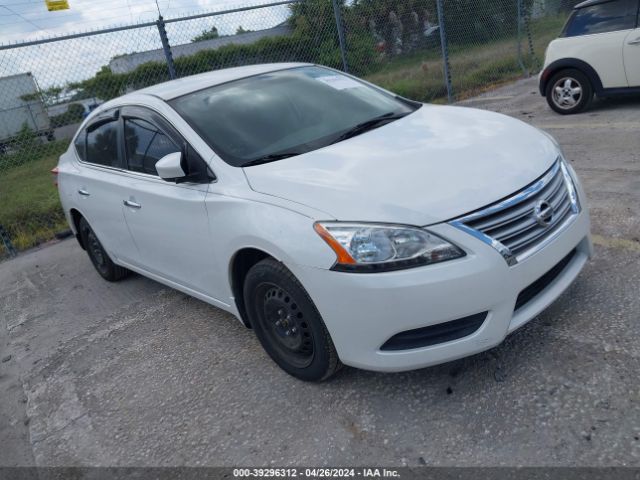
(569, 91)
(287, 323)
(99, 257)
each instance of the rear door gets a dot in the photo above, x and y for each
(168, 221)
(97, 185)
(632, 54)
(596, 34)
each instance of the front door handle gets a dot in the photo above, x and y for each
(635, 42)
(129, 203)
(83, 192)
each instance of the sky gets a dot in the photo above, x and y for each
(29, 19)
(61, 62)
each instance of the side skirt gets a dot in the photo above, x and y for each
(619, 92)
(176, 286)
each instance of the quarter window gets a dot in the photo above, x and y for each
(603, 17)
(80, 143)
(145, 145)
(102, 145)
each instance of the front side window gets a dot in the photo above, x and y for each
(603, 17)
(102, 145)
(285, 113)
(145, 144)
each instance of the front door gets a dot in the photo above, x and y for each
(168, 221)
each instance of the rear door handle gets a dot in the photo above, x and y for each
(83, 192)
(635, 42)
(129, 203)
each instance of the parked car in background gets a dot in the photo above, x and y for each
(597, 53)
(343, 223)
(89, 107)
(21, 106)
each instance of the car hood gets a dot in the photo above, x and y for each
(436, 164)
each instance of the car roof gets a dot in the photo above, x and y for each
(590, 3)
(182, 86)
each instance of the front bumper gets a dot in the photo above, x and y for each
(362, 311)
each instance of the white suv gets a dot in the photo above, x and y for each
(341, 222)
(597, 53)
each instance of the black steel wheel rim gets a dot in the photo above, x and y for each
(94, 247)
(285, 325)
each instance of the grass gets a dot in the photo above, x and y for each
(29, 205)
(474, 68)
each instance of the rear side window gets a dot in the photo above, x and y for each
(603, 17)
(145, 144)
(102, 145)
(80, 143)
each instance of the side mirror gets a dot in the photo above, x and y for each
(169, 167)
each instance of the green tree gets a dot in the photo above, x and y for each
(240, 30)
(207, 35)
(74, 114)
(52, 94)
(49, 96)
(30, 97)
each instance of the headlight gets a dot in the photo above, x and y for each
(571, 186)
(362, 247)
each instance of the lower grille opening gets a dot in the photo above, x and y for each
(434, 334)
(539, 285)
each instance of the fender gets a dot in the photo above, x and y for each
(565, 63)
(74, 214)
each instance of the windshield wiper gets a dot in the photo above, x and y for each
(369, 125)
(273, 157)
(352, 132)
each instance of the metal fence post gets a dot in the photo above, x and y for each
(519, 20)
(6, 241)
(166, 47)
(445, 50)
(340, 26)
(532, 52)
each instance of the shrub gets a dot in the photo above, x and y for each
(74, 114)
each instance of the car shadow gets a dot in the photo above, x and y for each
(612, 103)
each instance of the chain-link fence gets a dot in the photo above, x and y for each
(427, 50)
(433, 49)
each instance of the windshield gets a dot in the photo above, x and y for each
(284, 113)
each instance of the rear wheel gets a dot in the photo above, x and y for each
(569, 91)
(99, 257)
(287, 323)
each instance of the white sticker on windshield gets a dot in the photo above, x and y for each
(339, 82)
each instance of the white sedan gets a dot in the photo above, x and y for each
(343, 223)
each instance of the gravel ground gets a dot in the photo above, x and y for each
(135, 373)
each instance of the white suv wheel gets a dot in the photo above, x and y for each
(569, 91)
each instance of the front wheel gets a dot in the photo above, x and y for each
(569, 91)
(287, 323)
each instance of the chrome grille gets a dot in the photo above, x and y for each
(522, 223)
